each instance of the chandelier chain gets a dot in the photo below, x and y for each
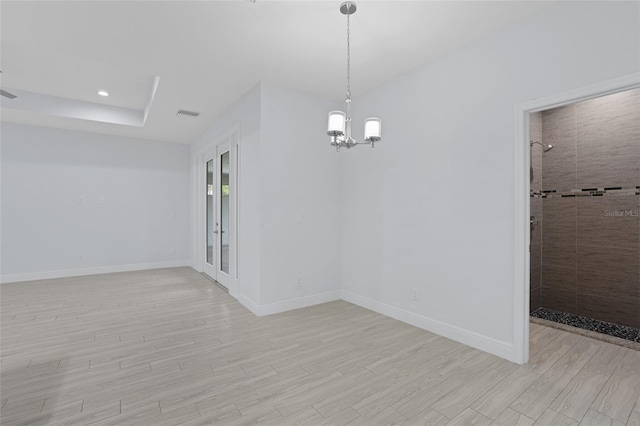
(348, 58)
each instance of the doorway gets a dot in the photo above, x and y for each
(217, 168)
(216, 210)
(522, 212)
(585, 221)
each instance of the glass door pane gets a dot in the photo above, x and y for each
(224, 212)
(210, 214)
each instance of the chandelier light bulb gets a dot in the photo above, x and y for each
(372, 129)
(337, 121)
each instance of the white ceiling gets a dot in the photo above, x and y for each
(208, 53)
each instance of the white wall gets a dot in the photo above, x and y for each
(432, 207)
(289, 188)
(300, 197)
(143, 221)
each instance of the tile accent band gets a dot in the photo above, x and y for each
(587, 192)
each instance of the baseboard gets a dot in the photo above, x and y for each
(466, 337)
(249, 304)
(301, 302)
(64, 273)
(287, 305)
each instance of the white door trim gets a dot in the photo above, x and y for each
(522, 188)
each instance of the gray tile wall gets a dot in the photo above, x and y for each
(535, 121)
(608, 152)
(590, 261)
(559, 278)
(559, 164)
(608, 268)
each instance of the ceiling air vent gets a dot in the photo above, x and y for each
(188, 113)
(7, 94)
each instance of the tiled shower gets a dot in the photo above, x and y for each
(585, 202)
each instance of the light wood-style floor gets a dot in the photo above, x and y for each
(167, 347)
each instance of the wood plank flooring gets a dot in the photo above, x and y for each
(167, 347)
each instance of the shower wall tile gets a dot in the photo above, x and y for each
(608, 272)
(623, 311)
(534, 300)
(590, 261)
(559, 222)
(535, 126)
(535, 275)
(558, 263)
(559, 300)
(598, 225)
(559, 164)
(535, 132)
(536, 168)
(608, 141)
(559, 267)
(536, 212)
(535, 272)
(535, 266)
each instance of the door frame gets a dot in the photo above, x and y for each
(522, 194)
(232, 138)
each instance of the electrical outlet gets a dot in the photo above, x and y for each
(101, 200)
(414, 294)
(299, 282)
(80, 258)
(81, 200)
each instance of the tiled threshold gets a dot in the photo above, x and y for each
(612, 333)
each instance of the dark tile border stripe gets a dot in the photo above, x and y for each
(586, 192)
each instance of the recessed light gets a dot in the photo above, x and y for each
(103, 93)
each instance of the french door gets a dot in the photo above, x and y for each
(217, 208)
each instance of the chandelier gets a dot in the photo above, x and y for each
(340, 122)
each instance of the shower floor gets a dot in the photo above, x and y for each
(602, 327)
